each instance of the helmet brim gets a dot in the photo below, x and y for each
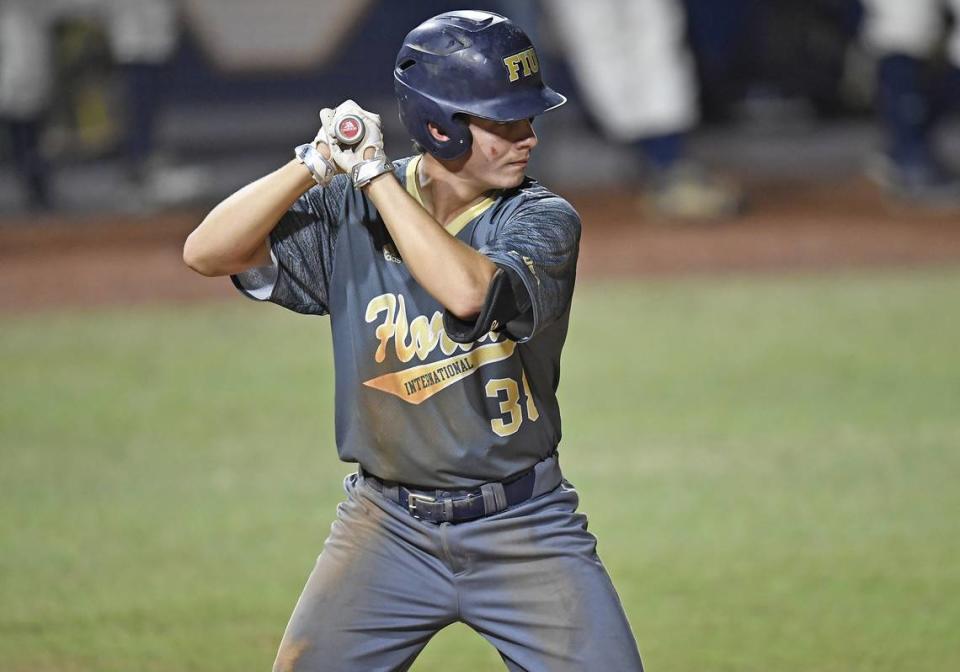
(521, 105)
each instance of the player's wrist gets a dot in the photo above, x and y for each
(379, 183)
(305, 179)
(365, 172)
(321, 168)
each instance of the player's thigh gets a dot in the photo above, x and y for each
(547, 603)
(373, 599)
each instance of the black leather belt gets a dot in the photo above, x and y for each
(457, 506)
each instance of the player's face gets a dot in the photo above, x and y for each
(501, 151)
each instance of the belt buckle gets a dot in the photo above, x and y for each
(412, 498)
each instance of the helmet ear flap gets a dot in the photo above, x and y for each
(460, 138)
(417, 111)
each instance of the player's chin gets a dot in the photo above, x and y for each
(512, 174)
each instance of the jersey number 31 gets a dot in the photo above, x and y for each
(507, 392)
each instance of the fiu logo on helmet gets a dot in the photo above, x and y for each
(525, 60)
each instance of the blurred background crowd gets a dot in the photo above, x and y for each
(760, 382)
(137, 105)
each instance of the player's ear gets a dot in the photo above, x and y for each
(436, 132)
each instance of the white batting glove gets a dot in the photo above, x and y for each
(354, 159)
(310, 155)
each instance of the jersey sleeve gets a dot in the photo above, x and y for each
(538, 247)
(302, 246)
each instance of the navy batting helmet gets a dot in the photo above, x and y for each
(467, 62)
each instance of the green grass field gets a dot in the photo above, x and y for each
(771, 465)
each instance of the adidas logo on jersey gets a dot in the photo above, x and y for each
(390, 254)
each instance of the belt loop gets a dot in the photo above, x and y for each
(391, 492)
(494, 497)
(489, 499)
(447, 509)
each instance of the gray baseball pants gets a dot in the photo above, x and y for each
(527, 579)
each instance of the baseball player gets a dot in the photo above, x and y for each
(448, 278)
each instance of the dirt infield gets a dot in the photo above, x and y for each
(54, 262)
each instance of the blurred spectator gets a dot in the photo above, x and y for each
(26, 87)
(634, 69)
(912, 94)
(142, 36)
(725, 38)
(792, 55)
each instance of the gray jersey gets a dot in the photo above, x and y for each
(411, 404)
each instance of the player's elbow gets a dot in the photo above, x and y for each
(464, 311)
(467, 305)
(199, 259)
(469, 300)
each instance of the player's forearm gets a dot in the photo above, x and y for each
(454, 273)
(232, 238)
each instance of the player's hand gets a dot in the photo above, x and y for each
(316, 156)
(370, 145)
(322, 142)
